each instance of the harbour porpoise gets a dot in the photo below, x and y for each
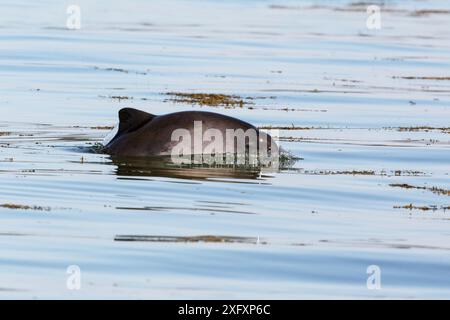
(141, 134)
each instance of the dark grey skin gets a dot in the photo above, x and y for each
(143, 134)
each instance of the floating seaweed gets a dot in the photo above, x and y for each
(202, 238)
(435, 190)
(24, 207)
(422, 78)
(208, 99)
(423, 208)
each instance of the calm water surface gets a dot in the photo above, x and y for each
(370, 110)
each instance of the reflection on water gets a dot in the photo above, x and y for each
(366, 111)
(164, 167)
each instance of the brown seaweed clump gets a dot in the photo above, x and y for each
(427, 12)
(425, 129)
(435, 190)
(23, 207)
(120, 98)
(422, 208)
(291, 127)
(208, 99)
(423, 78)
(202, 238)
(102, 128)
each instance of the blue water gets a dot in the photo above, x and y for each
(312, 230)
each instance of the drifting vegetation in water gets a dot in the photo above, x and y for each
(95, 127)
(361, 172)
(435, 190)
(121, 98)
(208, 99)
(292, 127)
(425, 129)
(423, 208)
(228, 101)
(427, 12)
(24, 207)
(120, 70)
(102, 128)
(423, 78)
(361, 6)
(204, 238)
(347, 172)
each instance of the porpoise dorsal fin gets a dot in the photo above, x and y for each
(132, 119)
